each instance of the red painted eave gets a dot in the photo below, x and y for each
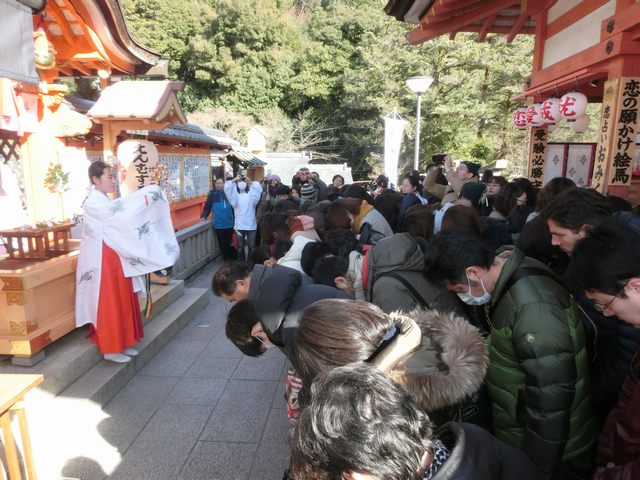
(578, 80)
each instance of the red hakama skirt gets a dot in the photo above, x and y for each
(119, 324)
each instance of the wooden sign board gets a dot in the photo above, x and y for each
(537, 155)
(606, 134)
(625, 123)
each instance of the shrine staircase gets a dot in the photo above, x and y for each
(73, 367)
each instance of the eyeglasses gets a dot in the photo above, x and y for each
(601, 308)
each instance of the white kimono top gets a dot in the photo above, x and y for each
(137, 227)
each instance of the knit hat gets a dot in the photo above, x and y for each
(472, 167)
(472, 192)
(308, 192)
(273, 177)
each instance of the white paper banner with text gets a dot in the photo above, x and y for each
(393, 129)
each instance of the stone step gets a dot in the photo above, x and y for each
(70, 357)
(106, 379)
(163, 296)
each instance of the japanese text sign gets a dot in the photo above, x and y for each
(138, 160)
(609, 97)
(537, 155)
(625, 127)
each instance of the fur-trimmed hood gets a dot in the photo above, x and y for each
(448, 367)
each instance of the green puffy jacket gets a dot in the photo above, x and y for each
(538, 375)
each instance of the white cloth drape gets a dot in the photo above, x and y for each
(137, 227)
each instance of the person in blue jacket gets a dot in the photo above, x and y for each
(223, 219)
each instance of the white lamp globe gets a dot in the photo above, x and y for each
(519, 118)
(573, 105)
(581, 124)
(419, 85)
(550, 110)
(533, 115)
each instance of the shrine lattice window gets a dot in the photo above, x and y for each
(9, 146)
(10, 156)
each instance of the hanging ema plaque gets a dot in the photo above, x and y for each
(138, 160)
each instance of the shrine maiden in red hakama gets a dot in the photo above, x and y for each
(122, 240)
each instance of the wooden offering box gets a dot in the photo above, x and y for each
(40, 242)
(37, 303)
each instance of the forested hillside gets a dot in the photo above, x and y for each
(320, 74)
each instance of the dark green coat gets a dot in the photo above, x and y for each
(538, 375)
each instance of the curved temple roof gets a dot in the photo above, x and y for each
(439, 17)
(152, 102)
(91, 35)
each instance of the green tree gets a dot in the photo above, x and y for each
(176, 31)
(320, 74)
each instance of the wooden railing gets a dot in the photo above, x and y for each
(198, 246)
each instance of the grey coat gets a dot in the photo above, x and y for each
(280, 294)
(401, 254)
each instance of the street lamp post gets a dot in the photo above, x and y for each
(418, 85)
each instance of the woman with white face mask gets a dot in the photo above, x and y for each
(244, 195)
(538, 375)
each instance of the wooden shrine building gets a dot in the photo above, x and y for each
(42, 41)
(588, 46)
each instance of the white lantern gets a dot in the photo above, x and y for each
(138, 160)
(550, 110)
(580, 124)
(519, 118)
(573, 105)
(534, 119)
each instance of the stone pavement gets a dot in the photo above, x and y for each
(199, 409)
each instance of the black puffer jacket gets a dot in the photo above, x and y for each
(612, 344)
(280, 294)
(476, 454)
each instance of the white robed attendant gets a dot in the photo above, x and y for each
(129, 237)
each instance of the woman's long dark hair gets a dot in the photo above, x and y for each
(337, 332)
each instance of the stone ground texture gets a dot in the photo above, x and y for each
(198, 410)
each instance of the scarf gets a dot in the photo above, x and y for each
(439, 457)
(365, 208)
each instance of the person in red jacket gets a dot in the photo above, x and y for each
(606, 265)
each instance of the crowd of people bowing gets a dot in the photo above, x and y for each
(465, 328)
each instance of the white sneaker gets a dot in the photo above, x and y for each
(117, 357)
(132, 352)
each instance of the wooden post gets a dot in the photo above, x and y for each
(29, 464)
(11, 453)
(108, 141)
